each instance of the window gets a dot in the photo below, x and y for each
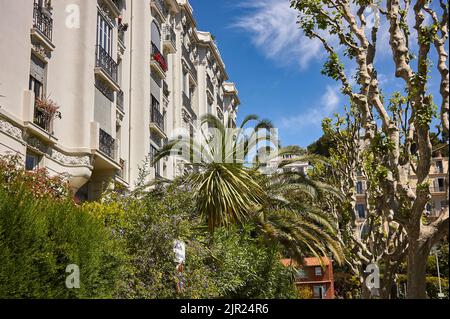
(36, 86)
(37, 76)
(440, 185)
(359, 187)
(104, 34)
(318, 271)
(319, 292)
(156, 35)
(31, 162)
(301, 274)
(153, 152)
(361, 210)
(439, 167)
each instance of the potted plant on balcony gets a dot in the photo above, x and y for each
(46, 110)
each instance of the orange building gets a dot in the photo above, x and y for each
(315, 274)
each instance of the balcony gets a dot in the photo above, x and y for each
(158, 61)
(160, 7)
(170, 39)
(107, 145)
(106, 67)
(43, 120)
(192, 69)
(210, 86)
(42, 21)
(188, 106)
(220, 114)
(157, 120)
(219, 102)
(166, 89)
(120, 101)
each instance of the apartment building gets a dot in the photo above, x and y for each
(93, 88)
(314, 274)
(437, 205)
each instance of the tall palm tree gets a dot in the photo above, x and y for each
(230, 189)
(218, 157)
(292, 215)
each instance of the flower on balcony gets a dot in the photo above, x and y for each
(161, 61)
(48, 107)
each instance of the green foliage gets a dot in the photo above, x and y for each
(322, 146)
(40, 235)
(333, 67)
(229, 263)
(432, 286)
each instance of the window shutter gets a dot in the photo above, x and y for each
(37, 69)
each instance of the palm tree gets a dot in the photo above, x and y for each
(230, 189)
(227, 192)
(293, 218)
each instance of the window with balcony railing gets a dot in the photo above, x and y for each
(120, 100)
(43, 120)
(166, 88)
(159, 57)
(169, 35)
(107, 144)
(210, 84)
(186, 56)
(156, 116)
(106, 63)
(42, 20)
(156, 166)
(186, 101)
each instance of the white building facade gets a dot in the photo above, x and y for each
(93, 88)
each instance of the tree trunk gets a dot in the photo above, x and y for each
(417, 263)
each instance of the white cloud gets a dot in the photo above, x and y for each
(328, 105)
(273, 28)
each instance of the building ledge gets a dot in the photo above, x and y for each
(37, 35)
(104, 162)
(155, 66)
(155, 127)
(114, 9)
(37, 131)
(105, 76)
(169, 47)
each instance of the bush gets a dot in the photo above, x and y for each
(229, 264)
(41, 233)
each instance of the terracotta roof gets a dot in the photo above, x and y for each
(308, 261)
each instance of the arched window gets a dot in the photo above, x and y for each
(156, 35)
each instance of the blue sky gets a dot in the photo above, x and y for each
(276, 69)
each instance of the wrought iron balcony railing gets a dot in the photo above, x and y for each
(191, 65)
(120, 100)
(166, 88)
(42, 21)
(159, 57)
(107, 144)
(169, 35)
(186, 101)
(106, 62)
(43, 120)
(157, 117)
(210, 85)
(219, 102)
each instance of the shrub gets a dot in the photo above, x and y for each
(41, 233)
(229, 264)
